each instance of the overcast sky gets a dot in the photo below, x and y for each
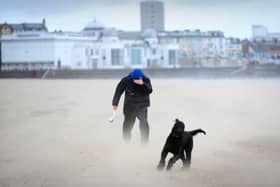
(234, 18)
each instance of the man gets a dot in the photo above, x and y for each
(137, 88)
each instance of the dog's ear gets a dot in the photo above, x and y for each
(175, 124)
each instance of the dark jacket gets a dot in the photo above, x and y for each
(137, 95)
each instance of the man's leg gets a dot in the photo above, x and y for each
(129, 120)
(142, 115)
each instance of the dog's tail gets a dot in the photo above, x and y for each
(195, 132)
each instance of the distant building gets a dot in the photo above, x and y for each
(266, 51)
(152, 15)
(233, 48)
(8, 28)
(120, 49)
(97, 46)
(196, 44)
(260, 32)
(265, 44)
(247, 49)
(214, 45)
(42, 50)
(93, 47)
(5, 29)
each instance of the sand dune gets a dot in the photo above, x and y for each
(56, 133)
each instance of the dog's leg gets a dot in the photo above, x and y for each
(187, 163)
(162, 160)
(172, 161)
(183, 158)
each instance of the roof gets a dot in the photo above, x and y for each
(94, 25)
(130, 35)
(20, 27)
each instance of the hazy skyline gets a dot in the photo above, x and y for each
(234, 18)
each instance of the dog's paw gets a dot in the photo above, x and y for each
(169, 166)
(160, 167)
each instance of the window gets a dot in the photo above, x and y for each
(117, 56)
(96, 52)
(104, 52)
(79, 63)
(135, 56)
(172, 57)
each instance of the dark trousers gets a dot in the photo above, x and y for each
(132, 112)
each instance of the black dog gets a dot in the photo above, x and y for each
(180, 143)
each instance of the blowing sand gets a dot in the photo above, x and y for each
(56, 133)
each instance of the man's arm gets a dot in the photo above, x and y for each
(118, 92)
(147, 86)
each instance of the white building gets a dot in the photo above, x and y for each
(94, 47)
(260, 33)
(196, 44)
(42, 50)
(213, 45)
(134, 52)
(266, 45)
(233, 48)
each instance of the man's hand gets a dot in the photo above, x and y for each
(115, 107)
(138, 81)
(111, 119)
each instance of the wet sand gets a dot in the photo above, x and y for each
(56, 133)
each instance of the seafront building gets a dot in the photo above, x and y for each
(29, 46)
(265, 45)
(97, 46)
(94, 47)
(10, 28)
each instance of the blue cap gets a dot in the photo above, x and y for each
(136, 74)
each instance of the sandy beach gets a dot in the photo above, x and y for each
(56, 133)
